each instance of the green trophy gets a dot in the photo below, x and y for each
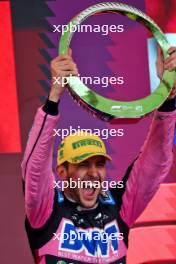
(102, 107)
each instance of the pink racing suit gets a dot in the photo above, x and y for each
(50, 213)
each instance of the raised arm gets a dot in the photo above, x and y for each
(155, 158)
(37, 162)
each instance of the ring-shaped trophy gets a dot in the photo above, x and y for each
(102, 107)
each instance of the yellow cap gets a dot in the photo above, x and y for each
(80, 146)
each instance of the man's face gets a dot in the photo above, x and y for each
(90, 171)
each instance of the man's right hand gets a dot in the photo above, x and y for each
(62, 66)
(168, 64)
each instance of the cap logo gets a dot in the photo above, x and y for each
(61, 154)
(85, 142)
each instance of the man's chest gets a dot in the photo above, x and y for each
(73, 236)
(86, 239)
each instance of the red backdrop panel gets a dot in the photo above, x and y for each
(9, 120)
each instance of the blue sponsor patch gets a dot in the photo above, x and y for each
(60, 197)
(106, 198)
(91, 240)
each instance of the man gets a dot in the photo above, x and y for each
(85, 224)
